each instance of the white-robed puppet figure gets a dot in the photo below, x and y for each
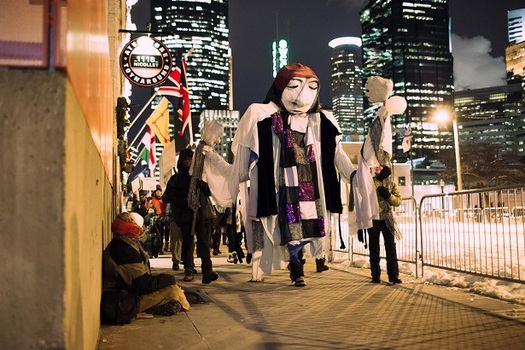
(288, 152)
(375, 192)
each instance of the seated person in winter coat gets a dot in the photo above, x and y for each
(158, 293)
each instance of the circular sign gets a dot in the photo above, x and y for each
(146, 61)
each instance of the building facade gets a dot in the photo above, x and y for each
(346, 84)
(409, 42)
(516, 25)
(515, 50)
(280, 55)
(202, 27)
(493, 115)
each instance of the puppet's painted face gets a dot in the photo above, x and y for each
(300, 94)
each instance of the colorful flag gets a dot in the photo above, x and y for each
(159, 122)
(175, 89)
(148, 153)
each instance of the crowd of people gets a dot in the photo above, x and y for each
(272, 206)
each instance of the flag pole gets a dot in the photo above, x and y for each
(142, 110)
(186, 55)
(137, 117)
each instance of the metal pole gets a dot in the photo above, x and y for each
(458, 158)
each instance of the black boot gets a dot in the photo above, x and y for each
(320, 263)
(297, 274)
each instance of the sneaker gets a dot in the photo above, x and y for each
(175, 267)
(376, 279)
(395, 280)
(169, 309)
(188, 275)
(300, 282)
(209, 277)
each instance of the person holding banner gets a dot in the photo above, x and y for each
(176, 194)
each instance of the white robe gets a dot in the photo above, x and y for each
(246, 142)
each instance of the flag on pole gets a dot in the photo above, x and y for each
(175, 89)
(159, 122)
(148, 153)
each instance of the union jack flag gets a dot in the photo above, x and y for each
(175, 89)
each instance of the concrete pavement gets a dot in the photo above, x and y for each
(339, 309)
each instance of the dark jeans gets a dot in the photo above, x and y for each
(379, 226)
(203, 234)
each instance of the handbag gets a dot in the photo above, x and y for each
(118, 307)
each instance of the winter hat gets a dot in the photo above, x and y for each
(285, 74)
(128, 224)
(283, 77)
(183, 155)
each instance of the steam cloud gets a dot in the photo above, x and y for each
(474, 67)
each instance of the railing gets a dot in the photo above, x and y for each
(479, 232)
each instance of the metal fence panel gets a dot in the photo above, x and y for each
(479, 232)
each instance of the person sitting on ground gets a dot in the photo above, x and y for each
(158, 293)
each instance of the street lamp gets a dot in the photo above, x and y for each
(444, 115)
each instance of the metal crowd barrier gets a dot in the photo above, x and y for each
(479, 232)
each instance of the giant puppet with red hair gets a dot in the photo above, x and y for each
(286, 171)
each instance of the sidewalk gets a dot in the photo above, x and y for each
(339, 309)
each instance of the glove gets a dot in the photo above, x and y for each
(384, 192)
(385, 172)
(361, 235)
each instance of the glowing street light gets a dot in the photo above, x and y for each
(442, 116)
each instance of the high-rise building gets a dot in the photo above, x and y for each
(515, 50)
(202, 27)
(280, 55)
(409, 42)
(346, 83)
(516, 25)
(515, 62)
(493, 115)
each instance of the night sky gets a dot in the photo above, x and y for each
(480, 28)
(479, 37)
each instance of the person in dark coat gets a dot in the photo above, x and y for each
(158, 293)
(176, 194)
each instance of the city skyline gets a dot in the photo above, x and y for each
(479, 37)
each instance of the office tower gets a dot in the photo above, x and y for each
(346, 82)
(408, 42)
(516, 25)
(201, 26)
(515, 50)
(515, 62)
(279, 55)
(493, 115)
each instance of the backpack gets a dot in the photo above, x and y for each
(118, 306)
